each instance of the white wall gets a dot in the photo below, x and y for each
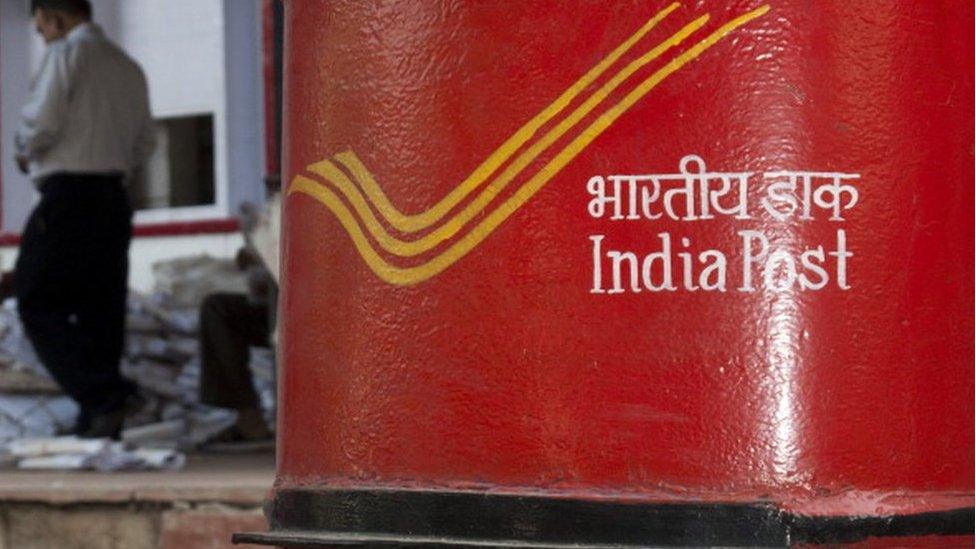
(159, 248)
(199, 56)
(16, 66)
(178, 43)
(243, 131)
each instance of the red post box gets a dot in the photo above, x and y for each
(626, 273)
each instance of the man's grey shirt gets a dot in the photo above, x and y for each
(88, 110)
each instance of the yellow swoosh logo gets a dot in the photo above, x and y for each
(330, 172)
(412, 223)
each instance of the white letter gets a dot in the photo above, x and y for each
(597, 187)
(665, 256)
(780, 192)
(618, 258)
(597, 266)
(689, 277)
(841, 254)
(805, 283)
(836, 191)
(718, 267)
(748, 258)
(769, 273)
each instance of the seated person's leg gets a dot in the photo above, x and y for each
(229, 325)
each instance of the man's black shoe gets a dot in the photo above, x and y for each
(106, 426)
(110, 425)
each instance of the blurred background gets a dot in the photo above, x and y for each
(214, 75)
(213, 89)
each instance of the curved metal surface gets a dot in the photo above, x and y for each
(450, 314)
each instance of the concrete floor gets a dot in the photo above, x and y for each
(241, 479)
(196, 508)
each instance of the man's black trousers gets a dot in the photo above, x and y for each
(71, 284)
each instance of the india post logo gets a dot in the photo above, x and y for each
(382, 233)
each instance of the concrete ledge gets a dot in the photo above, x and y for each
(200, 507)
(231, 479)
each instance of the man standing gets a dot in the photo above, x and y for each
(85, 128)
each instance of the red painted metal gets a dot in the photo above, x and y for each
(178, 228)
(504, 372)
(270, 88)
(172, 228)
